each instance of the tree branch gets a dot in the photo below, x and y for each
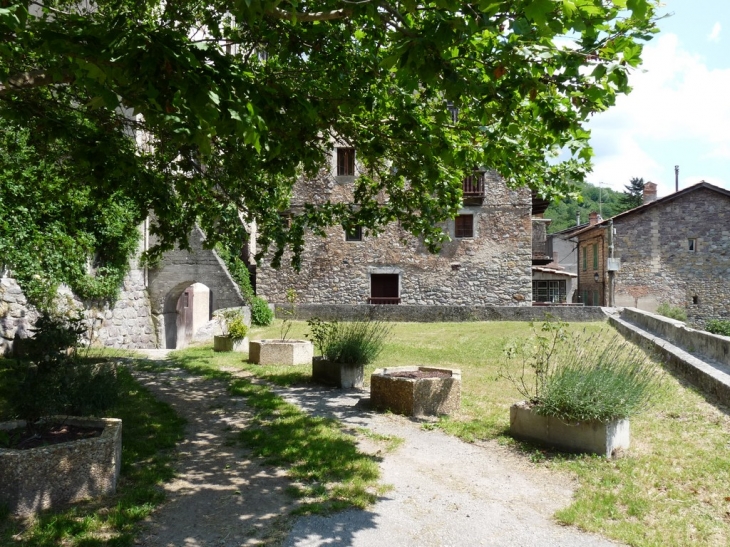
(33, 78)
(306, 17)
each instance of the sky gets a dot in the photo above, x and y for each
(679, 110)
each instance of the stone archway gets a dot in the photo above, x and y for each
(178, 270)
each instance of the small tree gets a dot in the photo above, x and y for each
(633, 196)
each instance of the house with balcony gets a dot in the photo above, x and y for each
(674, 250)
(487, 262)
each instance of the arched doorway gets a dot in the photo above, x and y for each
(194, 310)
(188, 306)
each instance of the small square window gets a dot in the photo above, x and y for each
(345, 162)
(354, 234)
(464, 226)
(453, 112)
(692, 244)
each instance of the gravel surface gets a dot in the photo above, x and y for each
(444, 492)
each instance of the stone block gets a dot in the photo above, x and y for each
(416, 396)
(281, 352)
(342, 375)
(602, 438)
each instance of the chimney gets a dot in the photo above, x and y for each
(649, 192)
(577, 218)
(594, 218)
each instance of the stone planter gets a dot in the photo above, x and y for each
(278, 352)
(341, 375)
(391, 389)
(51, 476)
(600, 438)
(224, 343)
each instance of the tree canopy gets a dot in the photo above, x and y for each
(633, 196)
(590, 198)
(231, 101)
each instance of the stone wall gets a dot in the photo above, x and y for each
(491, 268)
(657, 265)
(16, 317)
(431, 314)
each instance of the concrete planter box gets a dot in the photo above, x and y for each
(416, 396)
(341, 375)
(51, 476)
(600, 438)
(224, 343)
(278, 352)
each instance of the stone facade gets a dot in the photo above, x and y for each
(16, 317)
(675, 250)
(491, 268)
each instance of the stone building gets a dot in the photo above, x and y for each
(673, 250)
(487, 261)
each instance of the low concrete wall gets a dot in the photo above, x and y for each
(431, 314)
(50, 476)
(696, 342)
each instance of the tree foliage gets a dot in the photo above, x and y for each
(235, 100)
(633, 196)
(590, 198)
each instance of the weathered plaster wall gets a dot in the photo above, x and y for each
(657, 265)
(492, 268)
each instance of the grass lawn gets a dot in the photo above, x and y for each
(151, 430)
(671, 489)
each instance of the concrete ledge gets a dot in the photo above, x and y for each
(280, 352)
(416, 396)
(431, 314)
(712, 378)
(696, 342)
(601, 438)
(51, 476)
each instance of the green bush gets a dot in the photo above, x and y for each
(673, 312)
(576, 378)
(355, 343)
(54, 380)
(232, 324)
(718, 326)
(261, 314)
(613, 383)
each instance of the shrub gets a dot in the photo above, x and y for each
(718, 326)
(54, 381)
(231, 323)
(261, 314)
(356, 343)
(577, 379)
(673, 312)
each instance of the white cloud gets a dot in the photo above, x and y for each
(677, 105)
(714, 36)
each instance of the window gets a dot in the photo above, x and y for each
(384, 289)
(354, 234)
(464, 226)
(585, 259)
(595, 256)
(453, 112)
(345, 162)
(695, 300)
(692, 244)
(549, 291)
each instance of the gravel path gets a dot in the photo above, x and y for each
(444, 492)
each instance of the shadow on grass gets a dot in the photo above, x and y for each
(331, 474)
(151, 431)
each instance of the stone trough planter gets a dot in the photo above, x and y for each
(278, 352)
(51, 476)
(342, 375)
(224, 344)
(601, 438)
(416, 391)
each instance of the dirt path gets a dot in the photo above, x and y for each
(445, 492)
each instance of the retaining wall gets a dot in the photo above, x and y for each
(431, 314)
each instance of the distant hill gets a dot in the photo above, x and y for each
(593, 199)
